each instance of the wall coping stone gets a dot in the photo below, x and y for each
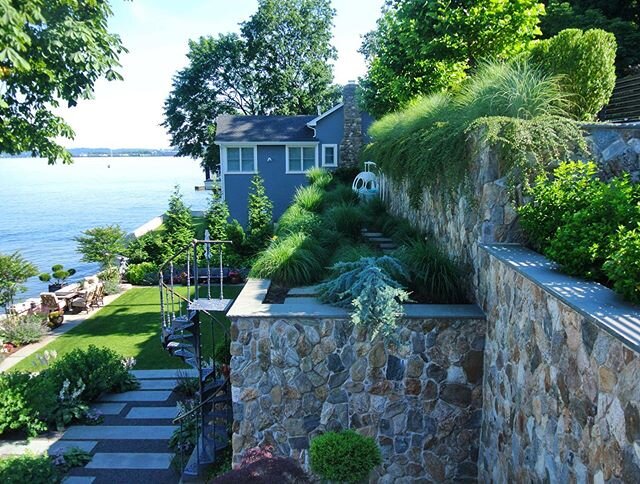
(249, 304)
(630, 125)
(597, 303)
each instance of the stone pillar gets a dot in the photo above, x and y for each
(352, 140)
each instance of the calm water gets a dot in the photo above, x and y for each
(43, 207)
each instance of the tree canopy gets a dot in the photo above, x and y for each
(424, 46)
(14, 271)
(278, 64)
(51, 52)
(621, 18)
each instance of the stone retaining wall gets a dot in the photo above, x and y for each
(561, 394)
(294, 378)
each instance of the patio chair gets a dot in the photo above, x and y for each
(98, 299)
(85, 302)
(50, 302)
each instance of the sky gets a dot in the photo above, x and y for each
(127, 114)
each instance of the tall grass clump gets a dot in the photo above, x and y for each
(289, 261)
(347, 219)
(340, 194)
(514, 107)
(297, 219)
(310, 198)
(319, 177)
(433, 275)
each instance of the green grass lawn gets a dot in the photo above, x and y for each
(131, 326)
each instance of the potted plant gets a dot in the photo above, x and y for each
(60, 274)
(56, 318)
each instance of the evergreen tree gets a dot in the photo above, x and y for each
(178, 223)
(260, 224)
(217, 213)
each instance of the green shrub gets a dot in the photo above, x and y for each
(370, 287)
(101, 370)
(23, 329)
(25, 402)
(623, 266)
(587, 237)
(309, 198)
(143, 274)
(319, 177)
(348, 220)
(345, 174)
(148, 248)
(36, 469)
(555, 197)
(290, 261)
(344, 456)
(259, 217)
(340, 194)
(434, 277)
(586, 63)
(297, 219)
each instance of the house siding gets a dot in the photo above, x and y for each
(279, 185)
(330, 130)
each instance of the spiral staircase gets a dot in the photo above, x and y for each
(189, 308)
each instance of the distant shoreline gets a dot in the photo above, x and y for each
(105, 153)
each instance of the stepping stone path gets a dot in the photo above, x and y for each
(385, 244)
(131, 445)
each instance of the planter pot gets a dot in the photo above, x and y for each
(208, 184)
(54, 287)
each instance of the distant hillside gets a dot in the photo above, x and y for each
(117, 152)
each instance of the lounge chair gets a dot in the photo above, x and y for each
(85, 301)
(50, 302)
(98, 299)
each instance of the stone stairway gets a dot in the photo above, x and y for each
(378, 239)
(131, 445)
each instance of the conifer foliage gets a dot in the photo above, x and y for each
(217, 213)
(260, 220)
(178, 223)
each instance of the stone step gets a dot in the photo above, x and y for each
(78, 480)
(158, 384)
(152, 413)
(303, 291)
(381, 240)
(122, 460)
(138, 396)
(300, 300)
(163, 374)
(388, 246)
(65, 445)
(119, 432)
(109, 408)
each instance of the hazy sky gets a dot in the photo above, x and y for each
(127, 114)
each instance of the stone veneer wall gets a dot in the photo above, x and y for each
(561, 393)
(483, 213)
(352, 139)
(295, 377)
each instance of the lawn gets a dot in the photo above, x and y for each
(131, 326)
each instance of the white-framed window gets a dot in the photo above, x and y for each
(301, 158)
(329, 155)
(241, 159)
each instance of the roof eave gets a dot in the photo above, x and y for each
(312, 124)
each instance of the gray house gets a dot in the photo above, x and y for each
(282, 148)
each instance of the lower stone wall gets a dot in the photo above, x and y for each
(294, 378)
(561, 395)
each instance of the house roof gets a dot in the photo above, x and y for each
(314, 121)
(263, 128)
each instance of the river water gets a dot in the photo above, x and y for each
(43, 207)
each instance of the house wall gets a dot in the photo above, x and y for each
(279, 185)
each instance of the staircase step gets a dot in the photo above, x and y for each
(381, 240)
(225, 414)
(78, 480)
(126, 460)
(185, 355)
(119, 432)
(109, 408)
(162, 374)
(372, 234)
(174, 346)
(212, 387)
(151, 413)
(157, 384)
(65, 445)
(138, 396)
(221, 305)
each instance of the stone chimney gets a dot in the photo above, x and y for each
(353, 138)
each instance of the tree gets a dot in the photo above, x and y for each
(14, 271)
(279, 64)
(620, 21)
(178, 223)
(217, 213)
(51, 52)
(421, 47)
(260, 216)
(102, 245)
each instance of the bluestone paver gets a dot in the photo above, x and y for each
(118, 460)
(119, 432)
(157, 384)
(65, 445)
(138, 396)
(109, 408)
(152, 412)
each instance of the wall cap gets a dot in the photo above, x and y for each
(249, 304)
(597, 303)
